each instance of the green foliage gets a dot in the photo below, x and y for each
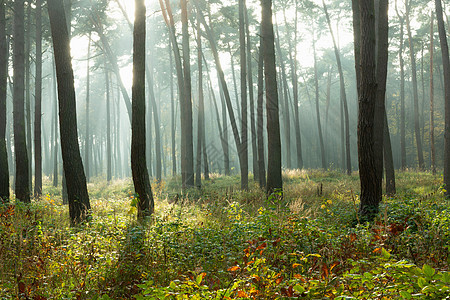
(229, 244)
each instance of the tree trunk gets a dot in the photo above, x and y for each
(293, 67)
(187, 151)
(283, 86)
(200, 121)
(108, 127)
(446, 67)
(433, 150)
(20, 144)
(402, 94)
(274, 179)
(382, 43)
(118, 140)
(370, 194)
(233, 73)
(87, 143)
(260, 118)
(415, 89)
(343, 95)
(251, 98)
(113, 60)
(243, 152)
(78, 197)
(38, 104)
(55, 127)
(388, 159)
(319, 125)
(28, 96)
(172, 114)
(226, 94)
(141, 179)
(4, 172)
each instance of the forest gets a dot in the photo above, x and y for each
(205, 149)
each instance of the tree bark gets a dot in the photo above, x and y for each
(251, 98)
(55, 126)
(141, 179)
(388, 159)
(260, 117)
(28, 96)
(87, 143)
(79, 205)
(243, 152)
(274, 179)
(172, 114)
(38, 105)
(4, 172)
(200, 120)
(187, 151)
(370, 193)
(446, 67)
(20, 144)
(382, 44)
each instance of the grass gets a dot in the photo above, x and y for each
(223, 243)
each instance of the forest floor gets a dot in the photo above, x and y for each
(223, 243)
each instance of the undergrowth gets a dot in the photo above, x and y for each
(222, 243)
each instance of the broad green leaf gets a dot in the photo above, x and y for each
(428, 271)
(421, 282)
(405, 295)
(299, 289)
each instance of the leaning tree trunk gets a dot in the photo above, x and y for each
(20, 144)
(224, 88)
(343, 95)
(141, 179)
(446, 67)
(415, 89)
(37, 105)
(4, 172)
(79, 205)
(274, 179)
